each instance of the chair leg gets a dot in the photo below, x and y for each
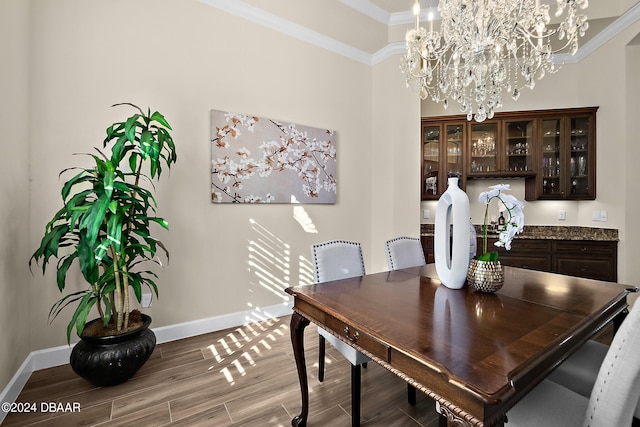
(411, 395)
(355, 395)
(321, 350)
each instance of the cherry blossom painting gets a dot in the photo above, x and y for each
(258, 160)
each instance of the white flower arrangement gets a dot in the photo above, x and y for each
(513, 224)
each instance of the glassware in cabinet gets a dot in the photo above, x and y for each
(520, 147)
(430, 161)
(483, 152)
(551, 168)
(442, 156)
(567, 164)
(580, 173)
(455, 147)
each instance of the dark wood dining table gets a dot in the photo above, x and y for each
(475, 354)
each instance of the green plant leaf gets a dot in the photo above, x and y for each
(79, 318)
(95, 217)
(63, 267)
(156, 116)
(130, 127)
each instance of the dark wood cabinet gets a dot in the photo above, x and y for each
(442, 156)
(554, 150)
(502, 148)
(524, 253)
(566, 149)
(582, 258)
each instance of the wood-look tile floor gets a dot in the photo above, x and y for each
(243, 376)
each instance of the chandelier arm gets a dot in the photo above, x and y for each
(531, 39)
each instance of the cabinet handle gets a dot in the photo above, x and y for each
(583, 269)
(355, 336)
(583, 249)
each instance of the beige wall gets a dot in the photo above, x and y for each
(395, 170)
(185, 59)
(14, 187)
(629, 174)
(601, 80)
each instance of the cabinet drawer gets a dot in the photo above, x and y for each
(585, 247)
(526, 261)
(600, 268)
(524, 247)
(356, 336)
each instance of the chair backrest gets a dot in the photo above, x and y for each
(404, 252)
(616, 391)
(336, 259)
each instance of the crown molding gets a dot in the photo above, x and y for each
(396, 48)
(274, 22)
(612, 30)
(369, 9)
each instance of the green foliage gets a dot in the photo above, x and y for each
(104, 223)
(488, 256)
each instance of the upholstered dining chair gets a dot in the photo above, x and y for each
(612, 400)
(579, 372)
(404, 252)
(334, 260)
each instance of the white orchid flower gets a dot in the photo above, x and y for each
(514, 224)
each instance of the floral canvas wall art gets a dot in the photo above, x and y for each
(258, 160)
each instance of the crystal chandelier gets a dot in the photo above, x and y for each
(487, 47)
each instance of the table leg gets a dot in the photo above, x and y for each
(298, 323)
(617, 321)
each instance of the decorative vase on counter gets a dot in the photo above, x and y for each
(452, 262)
(485, 276)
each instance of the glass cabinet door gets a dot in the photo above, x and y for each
(520, 147)
(455, 133)
(482, 149)
(552, 133)
(580, 158)
(430, 161)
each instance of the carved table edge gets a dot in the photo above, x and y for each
(455, 416)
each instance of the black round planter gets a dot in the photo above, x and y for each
(111, 360)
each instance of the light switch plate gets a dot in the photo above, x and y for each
(562, 215)
(595, 216)
(603, 216)
(426, 214)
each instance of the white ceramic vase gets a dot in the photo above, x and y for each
(452, 263)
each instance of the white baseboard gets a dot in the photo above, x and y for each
(56, 356)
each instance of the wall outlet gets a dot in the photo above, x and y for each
(146, 300)
(603, 216)
(426, 214)
(595, 216)
(562, 215)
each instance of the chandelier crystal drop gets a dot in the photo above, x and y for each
(487, 47)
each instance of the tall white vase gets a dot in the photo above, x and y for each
(452, 263)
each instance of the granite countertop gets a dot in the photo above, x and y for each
(551, 232)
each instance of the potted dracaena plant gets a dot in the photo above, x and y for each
(105, 226)
(485, 271)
